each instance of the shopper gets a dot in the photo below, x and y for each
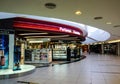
(75, 52)
(68, 54)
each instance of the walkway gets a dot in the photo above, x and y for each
(94, 69)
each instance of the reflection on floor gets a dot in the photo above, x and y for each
(39, 65)
(23, 82)
(95, 69)
(9, 73)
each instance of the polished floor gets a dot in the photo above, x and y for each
(24, 69)
(94, 69)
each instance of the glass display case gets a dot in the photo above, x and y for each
(59, 54)
(40, 56)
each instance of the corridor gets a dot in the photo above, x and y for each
(94, 69)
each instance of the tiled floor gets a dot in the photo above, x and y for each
(94, 69)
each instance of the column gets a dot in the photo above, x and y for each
(11, 51)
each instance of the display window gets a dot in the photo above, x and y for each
(59, 52)
(4, 51)
(38, 56)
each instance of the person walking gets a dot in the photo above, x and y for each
(68, 54)
(75, 52)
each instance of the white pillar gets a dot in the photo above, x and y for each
(11, 51)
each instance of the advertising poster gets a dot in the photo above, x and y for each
(4, 51)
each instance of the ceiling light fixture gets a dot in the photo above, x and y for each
(108, 23)
(35, 41)
(32, 34)
(78, 12)
(114, 41)
(47, 36)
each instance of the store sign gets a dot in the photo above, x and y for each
(45, 27)
(65, 30)
(76, 32)
(69, 31)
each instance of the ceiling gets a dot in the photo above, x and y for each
(109, 10)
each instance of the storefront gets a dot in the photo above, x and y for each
(6, 44)
(38, 52)
(36, 41)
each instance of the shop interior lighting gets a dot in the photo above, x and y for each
(39, 39)
(47, 36)
(35, 41)
(108, 23)
(70, 38)
(114, 41)
(32, 34)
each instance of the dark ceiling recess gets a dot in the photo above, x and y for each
(50, 5)
(98, 18)
(116, 26)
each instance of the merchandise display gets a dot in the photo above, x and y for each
(59, 54)
(39, 56)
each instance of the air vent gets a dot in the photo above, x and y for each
(50, 5)
(116, 26)
(98, 18)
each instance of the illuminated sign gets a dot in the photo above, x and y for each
(65, 30)
(45, 27)
(69, 30)
(76, 32)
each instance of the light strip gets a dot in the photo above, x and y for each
(35, 41)
(114, 41)
(47, 36)
(32, 33)
(70, 38)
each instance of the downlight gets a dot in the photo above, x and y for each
(50, 5)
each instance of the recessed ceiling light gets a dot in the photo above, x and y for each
(78, 12)
(108, 23)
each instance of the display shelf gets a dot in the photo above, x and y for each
(41, 55)
(59, 54)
